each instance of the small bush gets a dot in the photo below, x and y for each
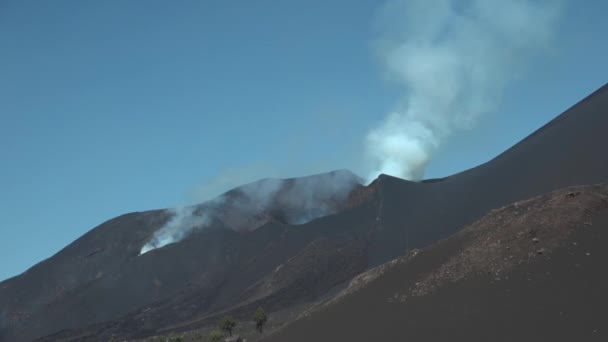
(260, 317)
(227, 325)
(216, 335)
(176, 339)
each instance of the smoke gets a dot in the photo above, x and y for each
(454, 60)
(304, 199)
(292, 201)
(183, 221)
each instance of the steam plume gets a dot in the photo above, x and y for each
(182, 222)
(292, 201)
(454, 59)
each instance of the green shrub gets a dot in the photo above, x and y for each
(216, 335)
(227, 325)
(260, 317)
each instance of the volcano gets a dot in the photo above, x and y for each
(297, 249)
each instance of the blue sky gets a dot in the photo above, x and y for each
(108, 107)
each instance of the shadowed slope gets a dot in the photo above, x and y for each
(531, 271)
(101, 276)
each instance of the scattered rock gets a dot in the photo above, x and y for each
(535, 240)
(573, 194)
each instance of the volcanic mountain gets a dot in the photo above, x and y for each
(295, 247)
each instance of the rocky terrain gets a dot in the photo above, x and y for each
(531, 271)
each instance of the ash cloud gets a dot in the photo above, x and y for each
(453, 60)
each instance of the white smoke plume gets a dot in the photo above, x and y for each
(306, 198)
(293, 201)
(183, 221)
(454, 60)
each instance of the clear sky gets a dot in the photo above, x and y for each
(113, 106)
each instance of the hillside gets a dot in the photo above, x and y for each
(531, 271)
(100, 286)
